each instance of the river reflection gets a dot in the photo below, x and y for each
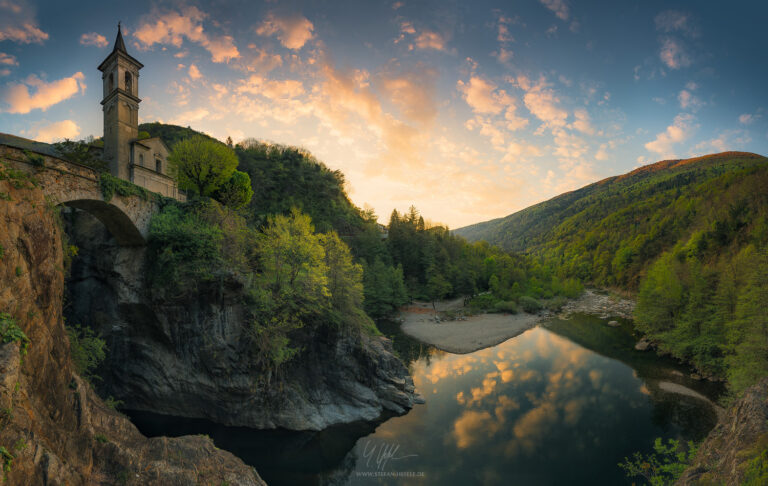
(537, 409)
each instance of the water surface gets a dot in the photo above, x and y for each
(559, 404)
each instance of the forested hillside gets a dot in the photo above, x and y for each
(413, 261)
(688, 236)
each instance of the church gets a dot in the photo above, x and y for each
(142, 161)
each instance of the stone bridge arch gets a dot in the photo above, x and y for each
(126, 217)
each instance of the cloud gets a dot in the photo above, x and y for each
(93, 39)
(187, 117)
(582, 122)
(673, 54)
(56, 131)
(681, 129)
(503, 33)
(18, 23)
(483, 96)
(8, 60)
(674, 21)
(558, 7)
(744, 119)
(427, 39)
(272, 89)
(292, 31)
(43, 95)
(194, 72)
(413, 92)
(430, 40)
(726, 141)
(542, 101)
(688, 100)
(173, 27)
(504, 55)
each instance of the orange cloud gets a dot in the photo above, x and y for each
(93, 39)
(472, 427)
(430, 40)
(292, 31)
(412, 92)
(680, 130)
(173, 27)
(194, 72)
(18, 23)
(56, 131)
(44, 95)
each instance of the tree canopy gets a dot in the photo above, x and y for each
(201, 166)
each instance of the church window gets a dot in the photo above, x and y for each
(158, 166)
(128, 83)
(111, 82)
(141, 160)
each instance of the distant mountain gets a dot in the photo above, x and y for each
(609, 231)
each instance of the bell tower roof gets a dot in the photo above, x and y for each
(119, 44)
(119, 50)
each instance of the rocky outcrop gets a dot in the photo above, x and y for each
(190, 355)
(54, 429)
(740, 435)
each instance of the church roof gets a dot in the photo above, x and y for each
(119, 49)
(27, 144)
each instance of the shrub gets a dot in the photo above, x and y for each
(111, 185)
(664, 465)
(508, 306)
(529, 304)
(482, 301)
(112, 403)
(7, 461)
(10, 332)
(35, 159)
(101, 438)
(556, 303)
(185, 247)
(87, 349)
(19, 272)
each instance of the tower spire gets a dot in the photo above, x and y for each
(119, 43)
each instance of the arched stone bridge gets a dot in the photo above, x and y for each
(126, 217)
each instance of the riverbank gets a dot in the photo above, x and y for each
(470, 333)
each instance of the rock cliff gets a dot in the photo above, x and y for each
(740, 436)
(53, 428)
(188, 355)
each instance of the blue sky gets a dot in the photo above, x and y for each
(469, 110)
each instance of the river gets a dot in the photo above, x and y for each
(562, 403)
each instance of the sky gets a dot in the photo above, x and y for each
(469, 110)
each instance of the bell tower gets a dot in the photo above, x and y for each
(120, 77)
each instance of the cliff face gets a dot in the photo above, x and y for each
(188, 355)
(53, 428)
(739, 437)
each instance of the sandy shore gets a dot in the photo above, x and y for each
(466, 336)
(484, 330)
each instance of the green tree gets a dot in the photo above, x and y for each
(236, 192)
(437, 288)
(292, 289)
(200, 165)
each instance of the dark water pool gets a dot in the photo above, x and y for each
(562, 403)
